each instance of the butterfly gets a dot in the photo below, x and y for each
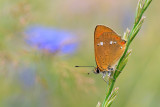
(108, 48)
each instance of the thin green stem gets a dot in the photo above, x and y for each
(133, 33)
(109, 92)
(115, 75)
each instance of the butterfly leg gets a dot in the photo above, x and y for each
(103, 76)
(117, 69)
(104, 80)
(110, 73)
(109, 76)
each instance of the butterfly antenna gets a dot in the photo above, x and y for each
(84, 66)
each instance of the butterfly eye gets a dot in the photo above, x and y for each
(97, 70)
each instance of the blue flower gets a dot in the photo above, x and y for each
(51, 39)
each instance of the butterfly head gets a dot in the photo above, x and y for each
(96, 70)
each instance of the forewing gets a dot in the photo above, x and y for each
(108, 47)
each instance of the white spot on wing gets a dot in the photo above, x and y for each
(121, 47)
(101, 43)
(110, 42)
(115, 42)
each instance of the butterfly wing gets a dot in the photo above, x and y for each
(108, 46)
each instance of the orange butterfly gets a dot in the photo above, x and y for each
(108, 47)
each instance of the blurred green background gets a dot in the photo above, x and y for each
(34, 77)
